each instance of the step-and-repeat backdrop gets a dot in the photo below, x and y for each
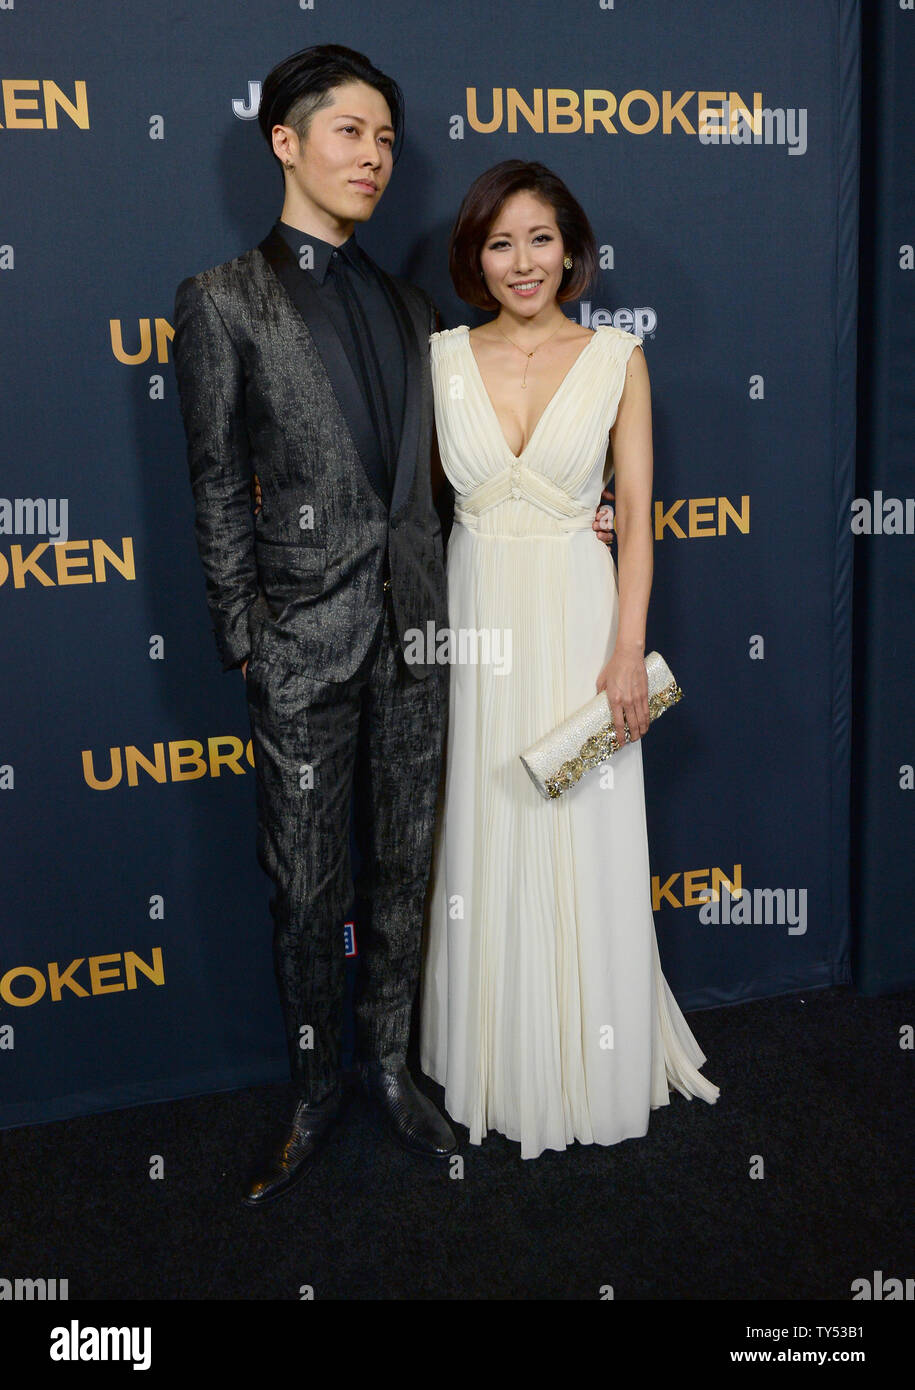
(714, 145)
(883, 763)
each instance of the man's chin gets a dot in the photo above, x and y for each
(364, 208)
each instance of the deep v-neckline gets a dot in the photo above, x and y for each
(516, 458)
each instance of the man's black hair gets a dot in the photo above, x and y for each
(304, 83)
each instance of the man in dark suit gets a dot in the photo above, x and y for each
(303, 364)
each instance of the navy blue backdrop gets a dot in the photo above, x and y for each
(135, 956)
(883, 780)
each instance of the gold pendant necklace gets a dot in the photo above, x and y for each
(527, 354)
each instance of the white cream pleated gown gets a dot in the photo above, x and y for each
(544, 1011)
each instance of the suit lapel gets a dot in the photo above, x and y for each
(405, 464)
(344, 384)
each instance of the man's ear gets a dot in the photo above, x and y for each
(285, 143)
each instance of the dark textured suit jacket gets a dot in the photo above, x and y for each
(266, 387)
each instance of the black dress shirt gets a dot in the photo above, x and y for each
(358, 306)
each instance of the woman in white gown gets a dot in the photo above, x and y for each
(544, 1011)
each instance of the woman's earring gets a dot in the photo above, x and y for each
(567, 262)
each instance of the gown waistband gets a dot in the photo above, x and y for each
(518, 481)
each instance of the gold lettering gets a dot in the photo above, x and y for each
(164, 335)
(741, 519)
(104, 977)
(563, 107)
(738, 108)
(134, 759)
(12, 104)
(711, 120)
(29, 565)
(192, 755)
(676, 113)
(97, 975)
(701, 520)
(694, 880)
(89, 770)
(664, 518)
(18, 1001)
(130, 359)
(659, 891)
(735, 884)
(593, 95)
(473, 120)
(154, 972)
(124, 563)
(229, 759)
(514, 104)
(58, 981)
(66, 563)
(77, 110)
(630, 124)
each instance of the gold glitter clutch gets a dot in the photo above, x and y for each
(587, 738)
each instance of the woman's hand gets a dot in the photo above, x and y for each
(624, 681)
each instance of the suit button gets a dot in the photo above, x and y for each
(386, 586)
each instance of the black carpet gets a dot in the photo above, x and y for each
(815, 1083)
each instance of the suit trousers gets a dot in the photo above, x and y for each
(379, 734)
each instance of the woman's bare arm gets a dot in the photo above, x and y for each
(624, 676)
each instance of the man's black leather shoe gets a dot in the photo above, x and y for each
(311, 1124)
(411, 1119)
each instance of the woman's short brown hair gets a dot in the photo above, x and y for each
(482, 205)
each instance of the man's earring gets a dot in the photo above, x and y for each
(288, 164)
(567, 262)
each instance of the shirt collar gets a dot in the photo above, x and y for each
(321, 250)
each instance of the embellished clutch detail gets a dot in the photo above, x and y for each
(587, 738)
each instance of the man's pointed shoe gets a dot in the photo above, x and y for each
(309, 1129)
(410, 1117)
